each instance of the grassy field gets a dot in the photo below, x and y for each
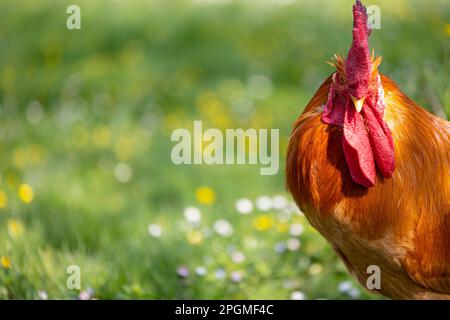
(86, 117)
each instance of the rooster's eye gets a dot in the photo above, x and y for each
(341, 79)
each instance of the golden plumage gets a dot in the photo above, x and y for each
(402, 224)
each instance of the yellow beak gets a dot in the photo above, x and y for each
(358, 103)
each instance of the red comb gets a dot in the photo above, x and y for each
(358, 64)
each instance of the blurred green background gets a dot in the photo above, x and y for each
(85, 123)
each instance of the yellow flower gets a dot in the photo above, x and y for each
(447, 28)
(26, 193)
(15, 228)
(282, 227)
(136, 288)
(239, 296)
(315, 269)
(204, 100)
(8, 78)
(263, 222)
(101, 136)
(205, 195)
(80, 137)
(125, 148)
(19, 157)
(35, 154)
(3, 199)
(5, 262)
(194, 237)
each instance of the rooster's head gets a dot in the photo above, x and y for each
(356, 103)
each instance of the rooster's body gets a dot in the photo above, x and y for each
(398, 217)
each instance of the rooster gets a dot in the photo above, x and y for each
(371, 171)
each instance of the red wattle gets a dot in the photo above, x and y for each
(381, 141)
(358, 150)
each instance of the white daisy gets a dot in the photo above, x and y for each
(238, 257)
(296, 229)
(264, 203)
(192, 215)
(293, 244)
(298, 295)
(223, 227)
(200, 271)
(155, 230)
(354, 293)
(123, 172)
(345, 286)
(244, 206)
(279, 202)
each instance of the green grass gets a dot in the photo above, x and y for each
(74, 104)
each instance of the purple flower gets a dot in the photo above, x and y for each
(236, 276)
(280, 247)
(86, 294)
(220, 274)
(183, 271)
